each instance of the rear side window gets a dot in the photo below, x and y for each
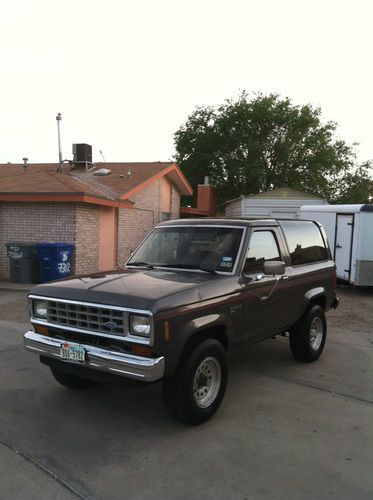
(305, 242)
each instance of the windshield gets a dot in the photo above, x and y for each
(209, 248)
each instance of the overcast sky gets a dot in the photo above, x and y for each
(126, 74)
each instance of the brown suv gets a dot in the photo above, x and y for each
(192, 291)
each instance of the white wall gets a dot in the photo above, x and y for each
(266, 207)
(365, 251)
(327, 219)
(234, 209)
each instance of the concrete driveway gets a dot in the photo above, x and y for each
(285, 430)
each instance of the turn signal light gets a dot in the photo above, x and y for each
(140, 350)
(41, 329)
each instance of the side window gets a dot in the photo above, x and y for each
(262, 247)
(305, 242)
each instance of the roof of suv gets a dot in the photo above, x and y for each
(221, 222)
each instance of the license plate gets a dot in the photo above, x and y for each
(72, 352)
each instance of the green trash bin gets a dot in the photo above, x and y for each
(24, 263)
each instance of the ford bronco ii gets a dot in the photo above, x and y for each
(192, 291)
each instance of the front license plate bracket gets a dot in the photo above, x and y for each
(72, 352)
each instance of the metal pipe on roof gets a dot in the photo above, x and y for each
(59, 118)
(25, 165)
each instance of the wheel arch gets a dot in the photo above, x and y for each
(217, 332)
(316, 296)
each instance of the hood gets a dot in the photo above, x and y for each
(133, 288)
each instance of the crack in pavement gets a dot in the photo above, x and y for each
(45, 469)
(322, 389)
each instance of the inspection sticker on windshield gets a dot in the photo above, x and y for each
(226, 262)
(72, 352)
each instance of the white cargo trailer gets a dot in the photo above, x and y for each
(350, 233)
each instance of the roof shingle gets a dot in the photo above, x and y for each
(124, 180)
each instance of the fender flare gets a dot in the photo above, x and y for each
(199, 325)
(313, 294)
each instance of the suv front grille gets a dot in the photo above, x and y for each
(88, 339)
(93, 318)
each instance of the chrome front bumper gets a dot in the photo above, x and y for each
(116, 363)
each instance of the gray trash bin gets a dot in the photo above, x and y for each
(24, 263)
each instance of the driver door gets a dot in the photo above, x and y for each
(265, 298)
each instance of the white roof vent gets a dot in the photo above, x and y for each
(102, 171)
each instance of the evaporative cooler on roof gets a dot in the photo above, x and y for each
(82, 153)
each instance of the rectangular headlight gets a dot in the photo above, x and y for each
(139, 325)
(40, 309)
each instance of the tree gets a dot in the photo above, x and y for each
(356, 186)
(253, 145)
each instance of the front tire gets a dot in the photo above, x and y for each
(307, 337)
(72, 381)
(196, 390)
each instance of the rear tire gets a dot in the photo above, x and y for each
(72, 381)
(307, 337)
(196, 390)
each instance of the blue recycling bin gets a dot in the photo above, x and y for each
(55, 260)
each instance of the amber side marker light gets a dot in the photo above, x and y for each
(166, 329)
(140, 350)
(41, 329)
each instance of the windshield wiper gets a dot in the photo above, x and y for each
(188, 266)
(141, 264)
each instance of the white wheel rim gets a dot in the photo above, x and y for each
(316, 333)
(207, 382)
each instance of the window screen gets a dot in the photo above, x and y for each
(305, 242)
(262, 247)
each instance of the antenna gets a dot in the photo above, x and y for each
(102, 154)
(59, 118)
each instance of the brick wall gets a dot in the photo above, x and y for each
(79, 224)
(135, 224)
(34, 222)
(87, 238)
(175, 203)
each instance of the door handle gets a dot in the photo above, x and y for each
(284, 278)
(338, 245)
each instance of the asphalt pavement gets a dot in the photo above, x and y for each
(285, 430)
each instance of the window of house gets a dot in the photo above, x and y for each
(305, 242)
(263, 246)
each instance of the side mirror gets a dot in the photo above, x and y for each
(273, 267)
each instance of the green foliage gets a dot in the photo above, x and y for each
(356, 186)
(253, 145)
